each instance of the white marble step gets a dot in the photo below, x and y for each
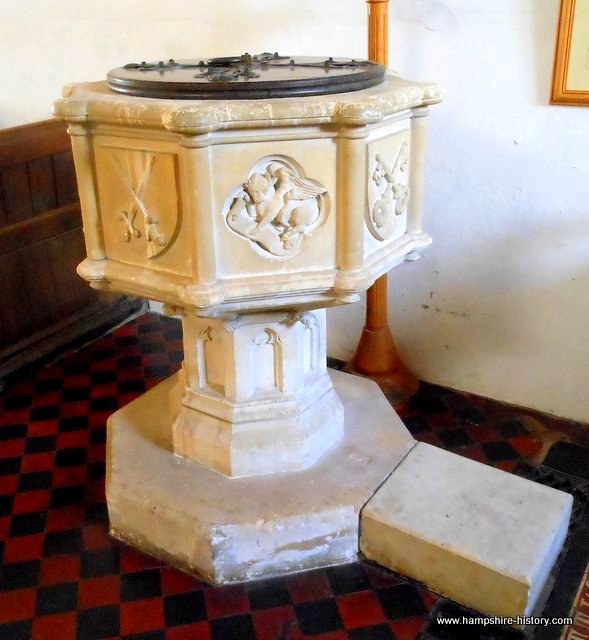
(475, 534)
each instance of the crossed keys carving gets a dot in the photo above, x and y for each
(137, 187)
(392, 195)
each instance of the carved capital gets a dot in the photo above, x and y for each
(304, 317)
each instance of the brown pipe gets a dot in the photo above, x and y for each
(376, 355)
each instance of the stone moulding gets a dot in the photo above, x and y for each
(93, 101)
(330, 288)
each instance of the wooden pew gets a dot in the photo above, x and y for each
(44, 305)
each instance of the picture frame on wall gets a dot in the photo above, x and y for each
(570, 79)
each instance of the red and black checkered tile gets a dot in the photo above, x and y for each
(63, 577)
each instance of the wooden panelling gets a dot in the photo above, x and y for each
(30, 141)
(38, 286)
(41, 227)
(74, 292)
(44, 302)
(2, 209)
(42, 184)
(14, 321)
(14, 182)
(65, 178)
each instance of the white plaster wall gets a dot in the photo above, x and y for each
(45, 44)
(500, 304)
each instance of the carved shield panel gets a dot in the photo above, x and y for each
(276, 207)
(388, 191)
(139, 202)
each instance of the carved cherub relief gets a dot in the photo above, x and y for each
(277, 206)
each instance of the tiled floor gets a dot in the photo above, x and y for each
(63, 576)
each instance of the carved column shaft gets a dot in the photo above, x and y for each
(83, 160)
(196, 167)
(419, 125)
(351, 163)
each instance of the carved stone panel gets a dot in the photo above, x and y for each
(388, 191)
(267, 362)
(139, 202)
(276, 207)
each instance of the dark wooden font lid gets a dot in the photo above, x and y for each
(246, 77)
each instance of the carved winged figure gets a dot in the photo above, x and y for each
(277, 206)
(281, 198)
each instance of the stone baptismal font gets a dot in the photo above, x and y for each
(248, 194)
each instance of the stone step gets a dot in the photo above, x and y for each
(480, 536)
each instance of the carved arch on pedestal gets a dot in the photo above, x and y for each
(267, 360)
